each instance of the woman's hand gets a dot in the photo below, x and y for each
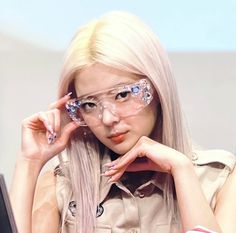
(147, 155)
(43, 136)
(150, 155)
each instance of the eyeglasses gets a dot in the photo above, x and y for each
(122, 101)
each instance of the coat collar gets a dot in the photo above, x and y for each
(157, 180)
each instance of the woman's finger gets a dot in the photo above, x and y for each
(51, 119)
(125, 160)
(57, 120)
(110, 172)
(43, 117)
(66, 132)
(61, 102)
(116, 176)
(144, 165)
(122, 161)
(51, 134)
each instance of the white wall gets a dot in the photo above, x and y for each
(207, 87)
(28, 83)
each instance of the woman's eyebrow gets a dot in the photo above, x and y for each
(93, 94)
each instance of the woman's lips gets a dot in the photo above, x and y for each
(118, 138)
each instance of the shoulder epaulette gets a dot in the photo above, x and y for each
(214, 156)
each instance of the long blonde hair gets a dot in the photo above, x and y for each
(122, 41)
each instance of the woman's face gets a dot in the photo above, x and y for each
(119, 134)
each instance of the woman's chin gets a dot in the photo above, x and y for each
(121, 148)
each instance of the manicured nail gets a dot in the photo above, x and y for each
(106, 173)
(108, 165)
(110, 180)
(69, 94)
(52, 138)
(112, 167)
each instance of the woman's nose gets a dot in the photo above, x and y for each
(109, 116)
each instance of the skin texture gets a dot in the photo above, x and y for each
(32, 204)
(35, 152)
(99, 77)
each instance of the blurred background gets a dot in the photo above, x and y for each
(199, 36)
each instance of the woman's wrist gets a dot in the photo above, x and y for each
(23, 189)
(181, 164)
(29, 164)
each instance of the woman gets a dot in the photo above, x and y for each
(127, 164)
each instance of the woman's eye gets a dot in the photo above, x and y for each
(88, 107)
(123, 95)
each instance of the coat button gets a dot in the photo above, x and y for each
(100, 210)
(72, 208)
(141, 195)
(138, 194)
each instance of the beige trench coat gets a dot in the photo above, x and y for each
(144, 210)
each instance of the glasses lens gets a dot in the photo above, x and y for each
(73, 109)
(122, 102)
(138, 96)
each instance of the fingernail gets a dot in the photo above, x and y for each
(109, 180)
(52, 138)
(69, 94)
(105, 173)
(112, 167)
